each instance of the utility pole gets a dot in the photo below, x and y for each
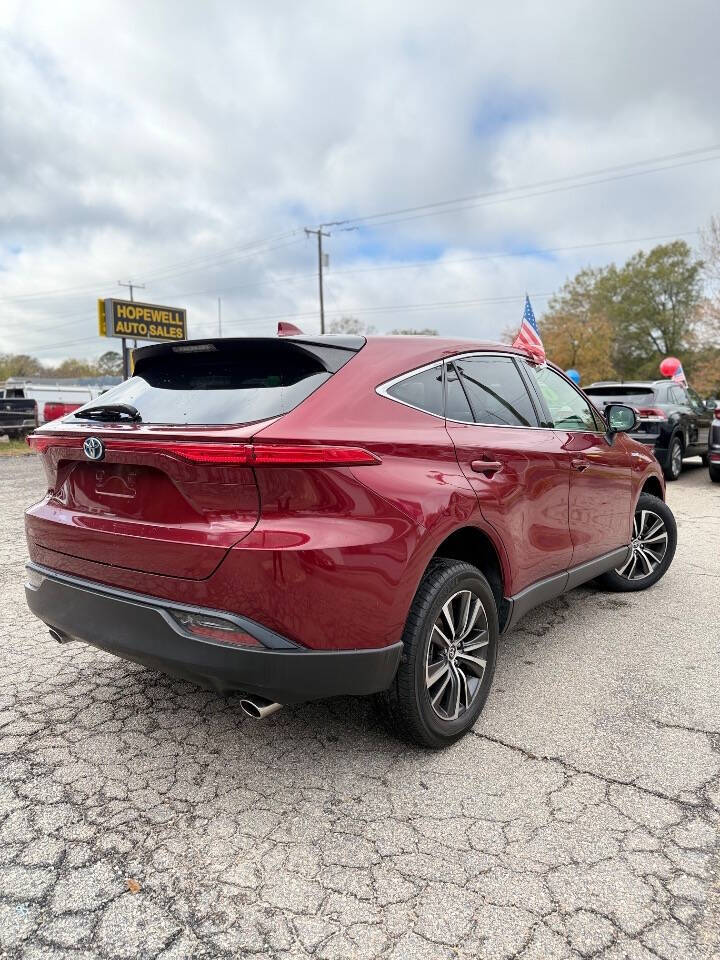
(320, 234)
(125, 358)
(219, 318)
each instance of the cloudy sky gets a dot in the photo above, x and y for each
(186, 145)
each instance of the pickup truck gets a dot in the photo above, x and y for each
(18, 416)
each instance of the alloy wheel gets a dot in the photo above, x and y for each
(456, 659)
(677, 458)
(648, 547)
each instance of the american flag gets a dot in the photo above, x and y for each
(529, 336)
(679, 376)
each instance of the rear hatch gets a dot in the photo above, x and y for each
(174, 487)
(641, 398)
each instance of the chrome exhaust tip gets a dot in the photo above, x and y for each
(57, 636)
(258, 708)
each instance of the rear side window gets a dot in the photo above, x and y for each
(496, 391)
(421, 390)
(457, 406)
(225, 382)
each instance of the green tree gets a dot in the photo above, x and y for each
(352, 326)
(653, 303)
(576, 330)
(74, 368)
(410, 332)
(110, 363)
(20, 365)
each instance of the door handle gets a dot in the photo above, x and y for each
(486, 466)
(579, 464)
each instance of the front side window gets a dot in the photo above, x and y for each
(695, 401)
(568, 408)
(421, 390)
(496, 391)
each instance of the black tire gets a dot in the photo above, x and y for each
(715, 473)
(673, 466)
(406, 706)
(634, 576)
(705, 458)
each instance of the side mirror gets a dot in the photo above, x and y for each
(620, 418)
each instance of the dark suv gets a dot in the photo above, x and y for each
(296, 518)
(672, 419)
(714, 449)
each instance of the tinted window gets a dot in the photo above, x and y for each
(568, 408)
(622, 394)
(456, 403)
(695, 401)
(496, 391)
(235, 381)
(620, 390)
(678, 396)
(422, 390)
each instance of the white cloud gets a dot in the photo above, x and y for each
(136, 136)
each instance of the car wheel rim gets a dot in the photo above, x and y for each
(648, 548)
(457, 655)
(676, 460)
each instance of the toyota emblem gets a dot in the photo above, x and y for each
(94, 448)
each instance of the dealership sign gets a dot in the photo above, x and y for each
(141, 321)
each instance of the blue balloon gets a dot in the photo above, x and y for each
(574, 375)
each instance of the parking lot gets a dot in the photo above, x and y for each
(143, 817)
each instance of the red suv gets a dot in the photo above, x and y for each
(295, 518)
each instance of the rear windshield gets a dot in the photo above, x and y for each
(227, 382)
(622, 393)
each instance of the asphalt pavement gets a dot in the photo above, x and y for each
(143, 817)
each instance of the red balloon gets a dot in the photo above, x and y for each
(668, 366)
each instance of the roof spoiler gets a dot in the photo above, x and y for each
(288, 330)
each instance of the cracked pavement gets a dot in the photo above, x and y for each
(580, 819)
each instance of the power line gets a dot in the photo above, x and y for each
(418, 264)
(470, 198)
(218, 257)
(455, 205)
(396, 307)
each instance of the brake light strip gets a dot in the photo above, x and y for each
(242, 454)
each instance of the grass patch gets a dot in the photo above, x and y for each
(13, 448)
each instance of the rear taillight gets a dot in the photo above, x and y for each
(206, 627)
(245, 454)
(650, 413)
(41, 443)
(53, 411)
(717, 413)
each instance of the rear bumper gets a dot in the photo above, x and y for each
(19, 424)
(140, 628)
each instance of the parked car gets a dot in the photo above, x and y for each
(298, 518)
(57, 397)
(672, 419)
(714, 449)
(18, 417)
